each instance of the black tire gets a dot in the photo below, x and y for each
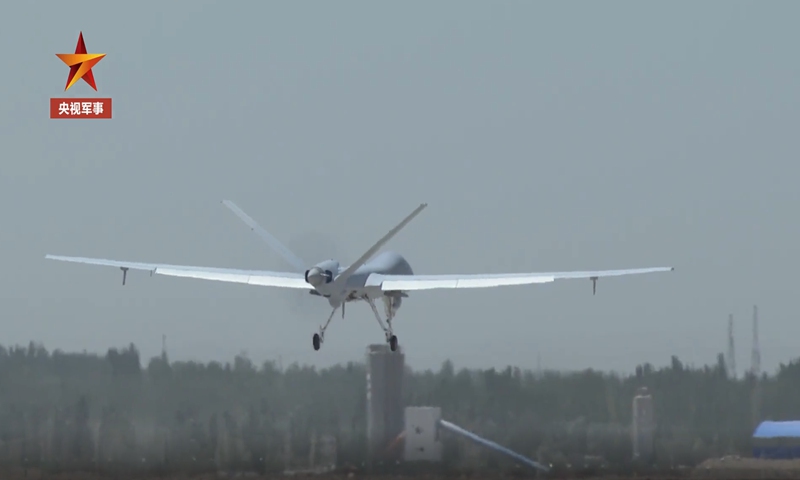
(317, 341)
(393, 343)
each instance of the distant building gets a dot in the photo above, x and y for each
(643, 428)
(777, 440)
(422, 434)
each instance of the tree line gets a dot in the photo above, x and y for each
(76, 410)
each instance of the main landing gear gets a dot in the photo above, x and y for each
(391, 338)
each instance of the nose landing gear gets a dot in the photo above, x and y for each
(320, 337)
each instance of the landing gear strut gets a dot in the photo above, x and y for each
(319, 337)
(391, 338)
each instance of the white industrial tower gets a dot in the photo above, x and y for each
(755, 362)
(755, 369)
(731, 360)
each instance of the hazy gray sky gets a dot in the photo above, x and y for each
(544, 136)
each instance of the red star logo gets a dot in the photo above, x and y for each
(80, 64)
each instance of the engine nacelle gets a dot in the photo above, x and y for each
(322, 273)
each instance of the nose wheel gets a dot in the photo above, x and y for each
(319, 337)
(393, 342)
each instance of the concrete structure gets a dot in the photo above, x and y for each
(730, 362)
(385, 371)
(755, 359)
(777, 440)
(422, 434)
(422, 429)
(643, 428)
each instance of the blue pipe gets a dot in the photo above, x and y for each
(490, 444)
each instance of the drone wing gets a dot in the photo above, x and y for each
(250, 277)
(430, 282)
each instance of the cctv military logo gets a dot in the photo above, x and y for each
(80, 66)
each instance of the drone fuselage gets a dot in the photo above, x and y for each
(355, 287)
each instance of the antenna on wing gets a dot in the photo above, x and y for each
(273, 242)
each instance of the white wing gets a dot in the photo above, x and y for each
(249, 277)
(429, 282)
